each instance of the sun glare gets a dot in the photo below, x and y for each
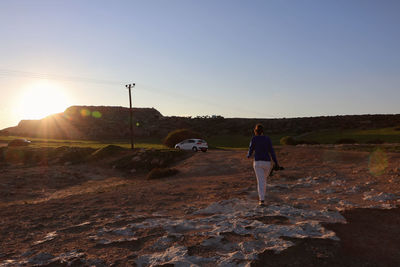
(42, 99)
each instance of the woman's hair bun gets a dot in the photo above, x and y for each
(259, 129)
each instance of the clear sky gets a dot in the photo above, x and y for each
(263, 59)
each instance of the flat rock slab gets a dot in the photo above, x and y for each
(234, 232)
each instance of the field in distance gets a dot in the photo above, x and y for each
(383, 135)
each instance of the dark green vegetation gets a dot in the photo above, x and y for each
(288, 141)
(179, 135)
(375, 136)
(372, 136)
(100, 125)
(386, 135)
(236, 141)
(96, 127)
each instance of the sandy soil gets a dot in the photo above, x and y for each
(328, 207)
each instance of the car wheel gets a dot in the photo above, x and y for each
(178, 147)
(194, 149)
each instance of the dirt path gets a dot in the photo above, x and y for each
(205, 215)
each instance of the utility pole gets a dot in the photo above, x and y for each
(129, 86)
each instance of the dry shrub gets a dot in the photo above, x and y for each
(288, 141)
(157, 173)
(177, 136)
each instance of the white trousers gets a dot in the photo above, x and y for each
(261, 168)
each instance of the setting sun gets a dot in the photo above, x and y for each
(42, 99)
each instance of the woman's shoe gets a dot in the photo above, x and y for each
(261, 203)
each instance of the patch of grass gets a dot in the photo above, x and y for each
(237, 141)
(147, 143)
(388, 135)
(228, 141)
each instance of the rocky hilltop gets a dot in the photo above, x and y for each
(105, 122)
(88, 122)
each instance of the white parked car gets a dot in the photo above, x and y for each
(193, 144)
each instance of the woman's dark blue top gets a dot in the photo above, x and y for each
(262, 146)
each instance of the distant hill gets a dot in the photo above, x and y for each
(112, 123)
(87, 122)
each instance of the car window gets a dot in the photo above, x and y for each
(191, 141)
(202, 141)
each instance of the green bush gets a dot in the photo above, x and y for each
(161, 172)
(288, 141)
(177, 136)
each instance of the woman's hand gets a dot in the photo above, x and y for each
(277, 167)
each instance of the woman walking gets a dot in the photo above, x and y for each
(261, 145)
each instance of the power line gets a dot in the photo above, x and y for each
(48, 76)
(152, 89)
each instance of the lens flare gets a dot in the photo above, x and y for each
(85, 112)
(96, 114)
(67, 116)
(378, 162)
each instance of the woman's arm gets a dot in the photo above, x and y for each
(272, 151)
(251, 148)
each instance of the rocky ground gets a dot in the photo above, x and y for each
(329, 207)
